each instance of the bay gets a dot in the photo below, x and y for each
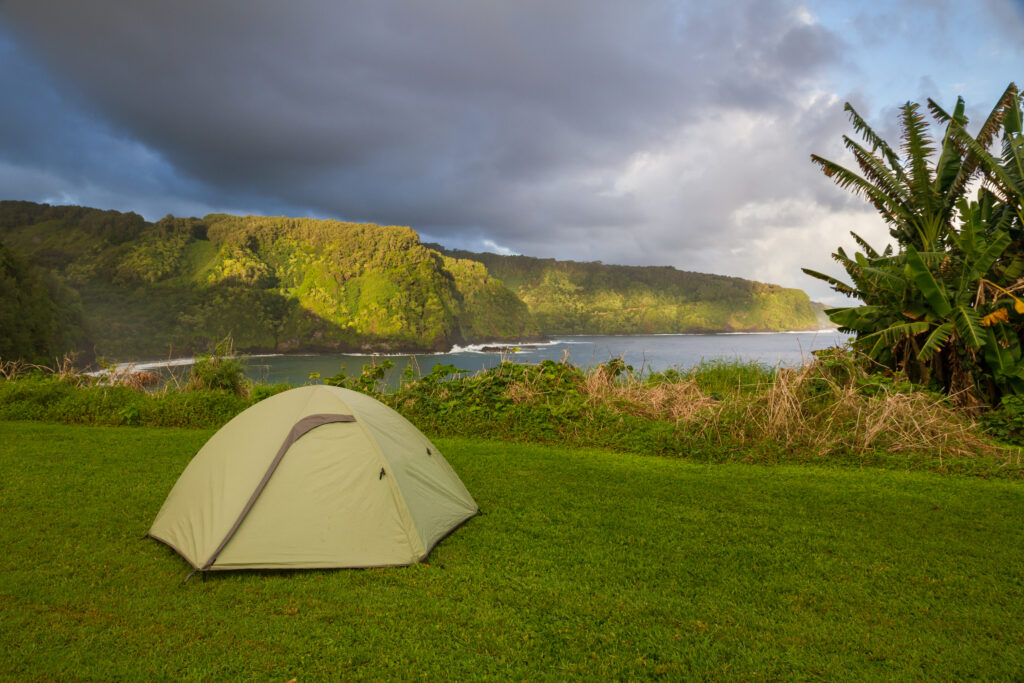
(644, 352)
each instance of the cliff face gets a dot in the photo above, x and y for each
(569, 297)
(272, 284)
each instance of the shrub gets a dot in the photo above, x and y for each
(262, 391)
(370, 380)
(1007, 422)
(219, 371)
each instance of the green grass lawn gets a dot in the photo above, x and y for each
(584, 564)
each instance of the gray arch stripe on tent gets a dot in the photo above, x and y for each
(303, 426)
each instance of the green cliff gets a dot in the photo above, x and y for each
(273, 284)
(568, 297)
(113, 285)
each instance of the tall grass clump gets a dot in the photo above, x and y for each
(834, 407)
(730, 376)
(219, 370)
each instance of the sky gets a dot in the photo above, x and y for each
(648, 132)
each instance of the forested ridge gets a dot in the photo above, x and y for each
(113, 285)
(180, 285)
(571, 297)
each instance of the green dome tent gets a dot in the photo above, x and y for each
(313, 477)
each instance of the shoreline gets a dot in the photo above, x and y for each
(484, 348)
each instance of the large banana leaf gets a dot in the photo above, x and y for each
(932, 291)
(935, 341)
(883, 278)
(1003, 355)
(897, 331)
(966, 237)
(968, 326)
(979, 267)
(1014, 270)
(860, 318)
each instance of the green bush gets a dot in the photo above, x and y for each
(262, 391)
(51, 400)
(1006, 423)
(219, 371)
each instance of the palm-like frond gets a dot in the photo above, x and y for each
(876, 142)
(882, 279)
(950, 170)
(837, 285)
(968, 326)
(938, 112)
(1001, 183)
(930, 288)
(892, 334)
(1013, 270)
(876, 172)
(1001, 114)
(858, 319)
(918, 146)
(1013, 147)
(977, 268)
(848, 180)
(868, 249)
(984, 138)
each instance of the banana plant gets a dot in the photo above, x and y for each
(944, 307)
(914, 196)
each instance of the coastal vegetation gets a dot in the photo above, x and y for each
(40, 317)
(127, 289)
(944, 306)
(833, 411)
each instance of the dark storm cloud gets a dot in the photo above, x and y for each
(446, 115)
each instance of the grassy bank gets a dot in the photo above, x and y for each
(831, 412)
(585, 563)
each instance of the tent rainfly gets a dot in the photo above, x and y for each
(317, 476)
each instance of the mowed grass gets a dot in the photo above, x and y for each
(584, 564)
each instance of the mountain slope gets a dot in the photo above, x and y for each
(569, 297)
(272, 284)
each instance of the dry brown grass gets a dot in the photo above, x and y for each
(674, 401)
(63, 368)
(807, 408)
(129, 377)
(9, 369)
(813, 409)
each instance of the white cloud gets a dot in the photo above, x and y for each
(494, 247)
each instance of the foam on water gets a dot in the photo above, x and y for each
(141, 366)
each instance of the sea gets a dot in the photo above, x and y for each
(645, 353)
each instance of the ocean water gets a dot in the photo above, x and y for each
(644, 352)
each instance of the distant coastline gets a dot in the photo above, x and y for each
(121, 287)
